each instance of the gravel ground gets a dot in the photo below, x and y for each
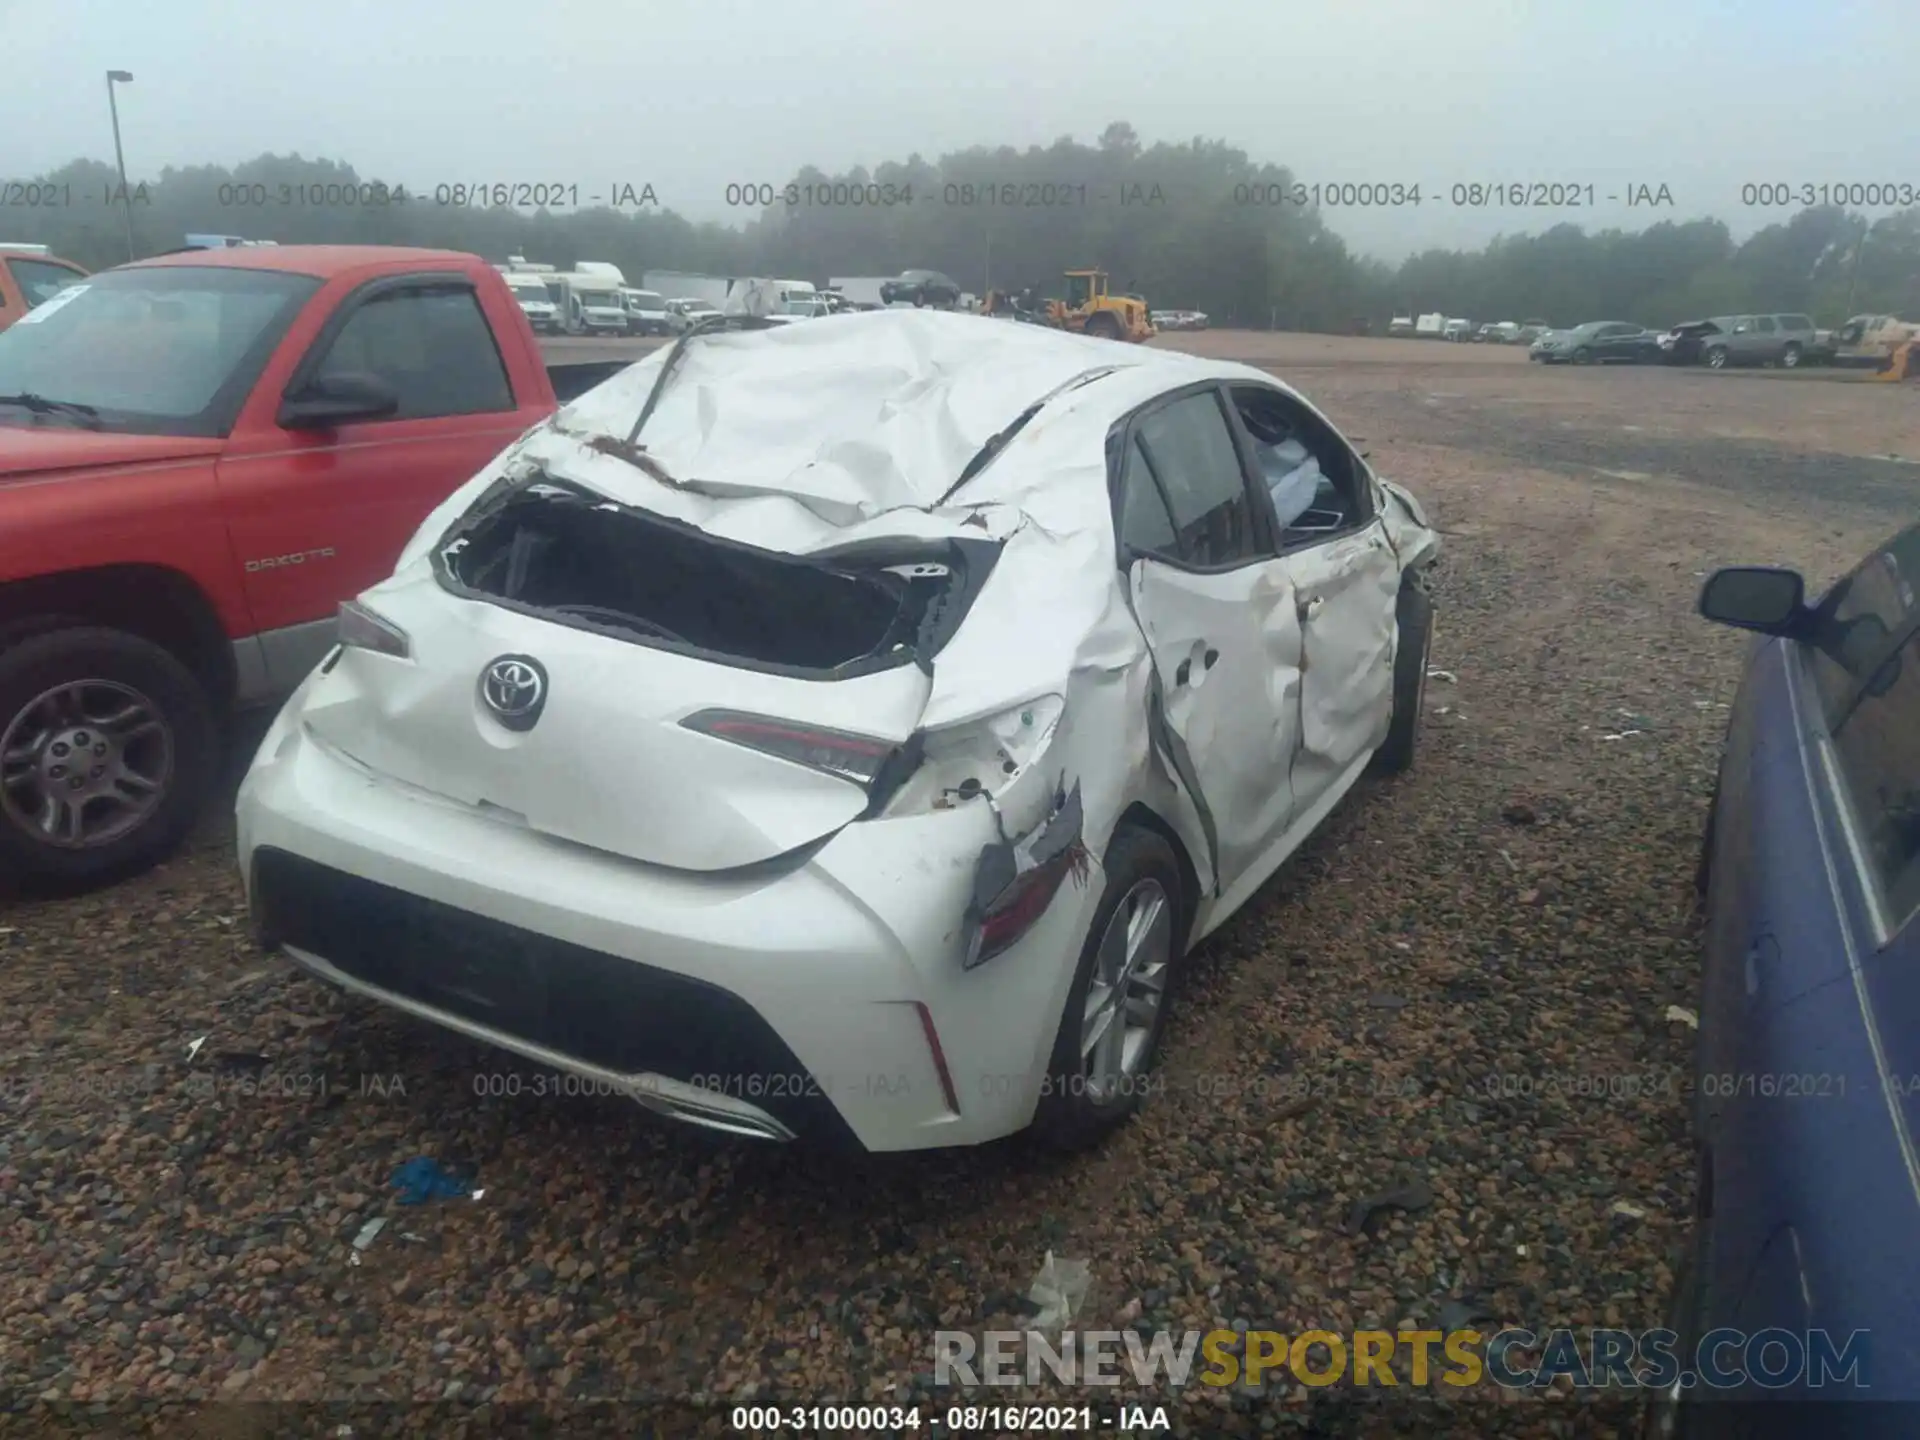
(1457, 983)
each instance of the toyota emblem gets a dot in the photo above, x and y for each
(514, 688)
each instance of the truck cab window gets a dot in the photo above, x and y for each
(432, 344)
(1315, 483)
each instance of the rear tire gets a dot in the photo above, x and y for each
(1717, 358)
(1583, 356)
(172, 747)
(1790, 357)
(1103, 325)
(1073, 1115)
(1414, 614)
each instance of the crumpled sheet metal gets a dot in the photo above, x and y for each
(853, 427)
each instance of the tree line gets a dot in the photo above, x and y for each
(1190, 225)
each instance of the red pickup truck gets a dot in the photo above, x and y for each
(201, 455)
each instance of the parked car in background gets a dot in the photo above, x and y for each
(920, 288)
(1783, 340)
(29, 277)
(1532, 330)
(646, 312)
(1808, 1057)
(935, 865)
(1458, 330)
(683, 314)
(1177, 319)
(1501, 332)
(1400, 325)
(536, 302)
(201, 456)
(1683, 344)
(1598, 342)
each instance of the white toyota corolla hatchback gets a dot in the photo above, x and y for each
(843, 732)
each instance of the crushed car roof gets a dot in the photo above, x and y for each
(854, 415)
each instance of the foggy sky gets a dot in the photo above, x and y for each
(1699, 95)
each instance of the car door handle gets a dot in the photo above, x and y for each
(1182, 674)
(1208, 659)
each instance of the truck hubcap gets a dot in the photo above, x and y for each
(1128, 987)
(84, 764)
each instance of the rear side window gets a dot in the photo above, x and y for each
(432, 344)
(1859, 622)
(1764, 324)
(1190, 452)
(1145, 526)
(1879, 750)
(1796, 322)
(1864, 657)
(41, 280)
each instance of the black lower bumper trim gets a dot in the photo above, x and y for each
(601, 1009)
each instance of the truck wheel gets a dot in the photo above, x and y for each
(1717, 358)
(107, 745)
(1122, 992)
(1583, 356)
(1790, 357)
(1414, 612)
(1103, 325)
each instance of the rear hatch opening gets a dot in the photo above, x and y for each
(562, 553)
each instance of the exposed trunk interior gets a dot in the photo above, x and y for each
(577, 558)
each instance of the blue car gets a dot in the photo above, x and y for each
(1808, 1088)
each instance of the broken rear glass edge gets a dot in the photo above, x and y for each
(560, 552)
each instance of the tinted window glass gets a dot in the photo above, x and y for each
(1797, 322)
(1311, 478)
(1194, 459)
(1764, 324)
(1863, 617)
(433, 345)
(1879, 750)
(39, 280)
(1144, 523)
(160, 350)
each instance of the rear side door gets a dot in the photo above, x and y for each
(1218, 611)
(1764, 342)
(1742, 341)
(318, 515)
(1346, 582)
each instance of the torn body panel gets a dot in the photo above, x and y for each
(1227, 652)
(1347, 592)
(1414, 540)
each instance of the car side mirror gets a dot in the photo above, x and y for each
(337, 399)
(1755, 597)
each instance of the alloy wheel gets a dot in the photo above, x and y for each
(84, 764)
(1127, 989)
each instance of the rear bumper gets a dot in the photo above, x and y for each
(801, 999)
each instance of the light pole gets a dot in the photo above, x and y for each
(1859, 254)
(125, 77)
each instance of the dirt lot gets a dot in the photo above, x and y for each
(1463, 978)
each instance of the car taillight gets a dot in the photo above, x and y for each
(858, 758)
(366, 629)
(1015, 910)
